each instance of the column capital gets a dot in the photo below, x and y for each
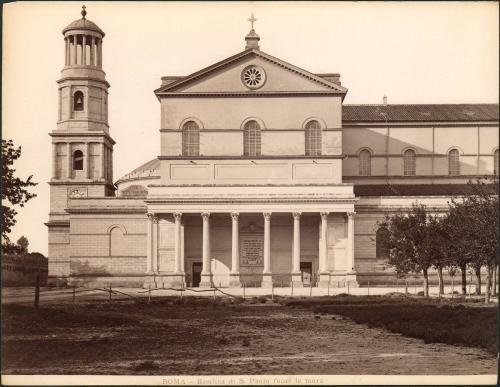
(177, 216)
(153, 217)
(235, 216)
(267, 215)
(205, 215)
(296, 215)
(351, 214)
(324, 214)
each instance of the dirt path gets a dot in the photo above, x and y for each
(166, 339)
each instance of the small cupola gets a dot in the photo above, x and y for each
(252, 39)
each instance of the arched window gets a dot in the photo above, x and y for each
(495, 162)
(409, 162)
(365, 163)
(313, 138)
(78, 101)
(78, 160)
(190, 139)
(454, 162)
(117, 246)
(382, 243)
(251, 139)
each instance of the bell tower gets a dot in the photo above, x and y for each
(82, 148)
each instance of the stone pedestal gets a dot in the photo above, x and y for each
(206, 281)
(351, 279)
(324, 280)
(297, 280)
(267, 280)
(234, 280)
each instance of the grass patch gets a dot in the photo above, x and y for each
(433, 321)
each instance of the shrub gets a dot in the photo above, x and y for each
(262, 299)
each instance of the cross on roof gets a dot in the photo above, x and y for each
(252, 20)
(84, 12)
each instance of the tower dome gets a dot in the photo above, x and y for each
(83, 43)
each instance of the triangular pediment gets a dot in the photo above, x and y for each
(227, 77)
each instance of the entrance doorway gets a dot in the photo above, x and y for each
(306, 271)
(197, 267)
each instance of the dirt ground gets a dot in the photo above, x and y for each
(161, 338)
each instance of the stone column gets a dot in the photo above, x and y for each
(103, 161)
(235, 252)
(323, 251)
(183, 264)
(149, 243)
(69, 160)
(99, 54)
(176, 280)
(206, 272)
(296, 275)
(155, 243)
(92, 51)
(75, 49)
(351, 271)
(87, 160)
(66, 51)
(177, 242)
(84, 49)
(267, 277)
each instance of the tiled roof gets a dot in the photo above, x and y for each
(149, 169)
(422, 113)
(83, 24)
(415, 189)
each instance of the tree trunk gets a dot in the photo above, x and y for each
(441, 282)
(463, 269)
(426, 283)
(488, 284)
(478, 280)
(495, 274)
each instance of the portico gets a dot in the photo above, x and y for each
(238, 239)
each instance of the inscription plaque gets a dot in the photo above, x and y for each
(251, 250)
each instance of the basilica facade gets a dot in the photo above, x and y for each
(265, 177)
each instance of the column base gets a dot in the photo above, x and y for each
(170, 280)
(351, 279)
(297, 280)
(267, 280)
(206, 281)
(150, 279)
(234, 280)
(324, 280)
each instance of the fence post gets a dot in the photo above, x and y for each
(470, 284)
(149, 293)
(163, 285)
(244, 288)
(406, 286)
(110, 293)
(74, 294)
(272, 291)
(37, 291)
(452, 288)
(368, 288)
(310, 289)
(292, 287)
(214, 295)
(348, 288)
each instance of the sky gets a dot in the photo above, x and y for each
(414, 52)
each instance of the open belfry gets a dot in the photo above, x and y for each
(264, 175)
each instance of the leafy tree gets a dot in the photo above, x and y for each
(14, 189)
(23, 244)
(409, 243)
(473, 231)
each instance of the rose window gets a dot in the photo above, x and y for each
(253, 77)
